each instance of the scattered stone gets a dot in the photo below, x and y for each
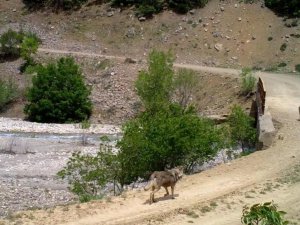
(14, 10)
(142, 18)
(222, 8)
(130, 32)
(205, 29)
(253, 37)
(234, 57)
(235, 5)
(239, 19)
(192, 12)
(110, 14)
(219, 47)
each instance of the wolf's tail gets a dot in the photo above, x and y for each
(149, 185)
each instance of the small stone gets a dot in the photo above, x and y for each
(205, 29)
(222, 9)
(253, 37)
(235, 5)
(192, 11)
(239, 19)
(234, 57)
(14, 10)
(219, 47)
(142, 18)
(110, 14)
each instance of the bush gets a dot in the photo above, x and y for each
(248, 81)
(242, 128)
(289, 8)
(10, 43)
(186, 5)
(88, 174)
(55, 4)
(58, 94)
(8, 92)
(263, 214)
(297, 68)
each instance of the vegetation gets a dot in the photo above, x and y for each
(10, 44)
(248, 81)
(87, 174)
(289, 8)
(165, 135)
(58, 94)
(297, 68)
(283, 47)
(263, 214)
(144, 8)
(242, 128)
(55, 4)
(8, 92)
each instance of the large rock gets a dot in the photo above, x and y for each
(266, 130)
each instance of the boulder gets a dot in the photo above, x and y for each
(266, 130)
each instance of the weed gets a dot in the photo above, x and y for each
(283, 47)
(190, 221)
(262, 192)
(104, 64)
(282, 64)
(270, 38)
(205, 209)
(213, 204)
(192, 214)
(295, 35)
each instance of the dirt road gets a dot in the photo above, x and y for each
(215, 196)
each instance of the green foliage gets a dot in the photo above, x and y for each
(248, 81)
(8, 92)
(283, 47)
(186, 82)
(58, 94)
(289, 8)
(10, 43)
(263, 214)
(55, 4)
(186, 5)
(88, 174)
(241, 127)
(297, 68)
(166, 134)
(166, 139)
(155, 85)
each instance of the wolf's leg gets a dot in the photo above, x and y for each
(166, 191)
(152, 195)
(172, 191)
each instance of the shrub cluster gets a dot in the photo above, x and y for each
(14, 44)
(55, 4)
(58, 94)
(289, 8)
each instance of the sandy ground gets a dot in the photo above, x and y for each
(267, 175)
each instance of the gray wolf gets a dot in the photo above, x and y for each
(167, 178)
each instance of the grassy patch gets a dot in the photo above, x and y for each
(192, 214)
(205, 209)
(283, 47)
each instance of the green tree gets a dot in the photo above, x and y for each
(289, 8)
(58, 94)
(242, 127)
(166, 134)
(155, 86)
(263, 214)
(55, 4)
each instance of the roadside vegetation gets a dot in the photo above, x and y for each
(263, 214)
(166, 134)
(8, 92)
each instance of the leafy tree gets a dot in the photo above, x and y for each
(263, 214)
(155, 86)
(58, 94)
(166, 134)
(241, 127)
(88, 174)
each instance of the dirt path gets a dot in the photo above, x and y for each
(230, 186)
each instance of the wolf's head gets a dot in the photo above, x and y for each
(177, 172)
